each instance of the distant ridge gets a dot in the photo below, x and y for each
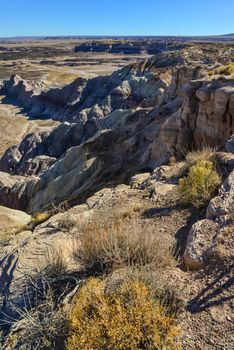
(208, 38)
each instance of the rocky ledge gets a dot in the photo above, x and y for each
(131, 47)
(108, 155)
(115, 126)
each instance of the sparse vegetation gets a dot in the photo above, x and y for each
(55, 265)
(157, 280)
(226, 69)
(204, 154)
(131, 318)
(7, 234)
(105, 244)
(67, 223)
(61, 77)
(110, 279)
(128, 211)
(42, 326)
(200, 185)
(39, 218)
(42, 321)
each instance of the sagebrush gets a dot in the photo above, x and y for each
(129, 319)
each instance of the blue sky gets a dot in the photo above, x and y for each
(116, 17)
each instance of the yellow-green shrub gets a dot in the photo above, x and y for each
(228, 69)
(129, 319)
(200, 185)
(39, 218)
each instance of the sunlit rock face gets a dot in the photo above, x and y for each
(115, 126)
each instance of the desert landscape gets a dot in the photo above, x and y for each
(48, 63)
(117, 193)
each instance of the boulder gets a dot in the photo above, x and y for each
(200, 244)
(223, 204)
(137, 181)
(12, 218)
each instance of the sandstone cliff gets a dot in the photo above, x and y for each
(118, 125)
(107, 156)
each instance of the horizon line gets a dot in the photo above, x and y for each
(112, 35)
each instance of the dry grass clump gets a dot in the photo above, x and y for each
(200, 185)
(105, 244)
(128, 319)
(204, 154)
(43, 326)
(128, 211)
(55, 265)
(41, 322)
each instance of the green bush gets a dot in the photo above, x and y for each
(128, 319)
(200, 185)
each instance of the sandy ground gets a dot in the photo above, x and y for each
(57, 62)
(14, 125)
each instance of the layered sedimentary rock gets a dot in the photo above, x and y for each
(115, 126)
(131, 47)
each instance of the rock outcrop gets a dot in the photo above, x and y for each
(115, 126)
(131, 47)
(106, 158)
(23, 91)
(12, 218)
(28, 252)
(223, 205)
(206, 236)
(200, 243)
(15, 191)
